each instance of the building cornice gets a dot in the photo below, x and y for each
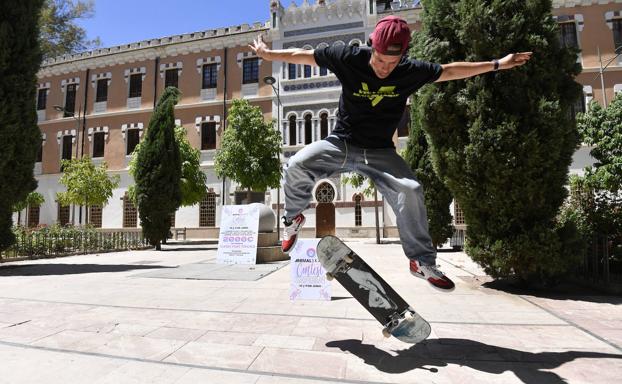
(584, 3)
(144, 50)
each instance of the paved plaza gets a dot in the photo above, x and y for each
(176, 316)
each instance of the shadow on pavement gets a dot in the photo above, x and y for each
(429, 355)
(563, 291)
(69, 269)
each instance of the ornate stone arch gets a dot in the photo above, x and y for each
(325, 191)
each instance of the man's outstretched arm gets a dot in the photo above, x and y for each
(463, 70)
(293, 55)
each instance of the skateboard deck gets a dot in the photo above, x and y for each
(365, 285)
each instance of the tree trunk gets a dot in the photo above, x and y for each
(377, 219)
(248, 196)
(19, 217)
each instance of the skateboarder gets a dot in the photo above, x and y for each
(376, 83)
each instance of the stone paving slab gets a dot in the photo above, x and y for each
(107, 318)
(212, 271)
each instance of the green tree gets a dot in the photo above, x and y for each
(503, 141)
(158, 171)
(20, 136)
(34, 199)
(250, 150)
(60, 34)
(437, 196)
(86, 183)
(193, 179)
(600, 188)
(602, 128)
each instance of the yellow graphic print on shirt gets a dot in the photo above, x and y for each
(376, 96)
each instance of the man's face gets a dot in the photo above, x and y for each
(383, 65)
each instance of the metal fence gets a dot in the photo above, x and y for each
(40, 244)
(603, 260)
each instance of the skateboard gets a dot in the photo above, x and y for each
(397, 317)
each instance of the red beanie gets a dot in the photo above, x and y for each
(389, 31)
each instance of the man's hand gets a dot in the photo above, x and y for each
(514, 60)
(259, 47)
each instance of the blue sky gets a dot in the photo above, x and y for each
(117, 22)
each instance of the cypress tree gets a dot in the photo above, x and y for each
(20, 136)
(158, 171)
(503, 141)
(437, 196)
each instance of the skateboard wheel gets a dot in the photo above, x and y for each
(348, 259)
(386, 333)
(329, 276)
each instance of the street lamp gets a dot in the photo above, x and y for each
(271, 81)
(602, 71)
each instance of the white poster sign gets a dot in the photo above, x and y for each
(239, 230)
(308, 277)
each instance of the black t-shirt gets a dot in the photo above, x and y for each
(371, 108)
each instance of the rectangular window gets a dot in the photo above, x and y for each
(207, 210)
(130, 213)
(98, 144)
(133, 139)
(40, 152)
(33, 216)
(617, 35)
(136, 85)
(208, 135)
(210, 76)
(323, 71)
(171, 78)
(102, 90)
(307, 71)
(458, 214)
(95, 216)
(67, 147)
(42, 98)
(70, 100)
(63, 214)
(250, 71)
(568, 35)
(291, 69)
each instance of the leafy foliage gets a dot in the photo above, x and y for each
(602, 128)
(34, 199)
(20, 57)
(60, 34)
(86, 183)
(437, 196)
(250, 149)
(158, 170)
(503, 141)
(193, 180)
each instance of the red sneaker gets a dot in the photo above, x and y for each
(290, 232)
(432, 275)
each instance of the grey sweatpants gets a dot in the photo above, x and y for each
(384, 166)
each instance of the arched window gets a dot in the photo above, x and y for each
(292, 130)
(325, 193)
(323, 125)
(308, 129)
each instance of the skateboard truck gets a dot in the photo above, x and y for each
(394, 321)
(342, 266)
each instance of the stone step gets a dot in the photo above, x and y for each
(269, 254)
(267, 239)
